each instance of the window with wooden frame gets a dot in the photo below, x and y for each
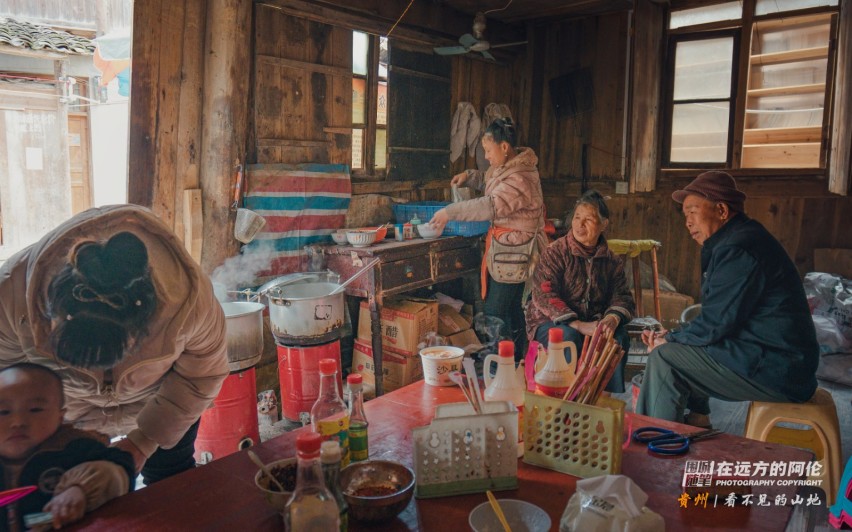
(749, 85)
(369, 104)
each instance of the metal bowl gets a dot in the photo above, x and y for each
(378, 474)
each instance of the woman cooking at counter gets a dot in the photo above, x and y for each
(113, 303)
(513, 203)
(580, 283)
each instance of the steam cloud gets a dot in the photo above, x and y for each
(242, 271)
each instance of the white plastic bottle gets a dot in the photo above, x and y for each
(557, 375)
(507, 384)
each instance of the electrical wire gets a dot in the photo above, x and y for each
(400, 18)
(500, 9)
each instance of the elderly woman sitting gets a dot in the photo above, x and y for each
(580, 283)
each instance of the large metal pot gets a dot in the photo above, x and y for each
(244, 332)
(305, 313)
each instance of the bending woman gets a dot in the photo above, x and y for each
(579, 283)
(513, 203)
(113, 303)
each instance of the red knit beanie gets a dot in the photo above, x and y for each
(714, 186)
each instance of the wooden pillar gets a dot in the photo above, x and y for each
(60, 72)
(840, 165)
(224, 122)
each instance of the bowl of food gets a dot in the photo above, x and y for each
(285, 472)
(520, 515)
(361, 238)
(339, 237)
(438, 362)
(376, 490)
(428, 231)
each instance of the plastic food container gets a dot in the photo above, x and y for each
(438, 362)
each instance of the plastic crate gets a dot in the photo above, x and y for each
(426, 209)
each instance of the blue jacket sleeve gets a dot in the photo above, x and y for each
(734, 282)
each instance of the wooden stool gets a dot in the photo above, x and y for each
(823, 436)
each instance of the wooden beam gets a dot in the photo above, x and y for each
(840, 162)
(415, 73)
(305, 66)
(224, 122)
(301, 143)
(384, 187)
(193, 223)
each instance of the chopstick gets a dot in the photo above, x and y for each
(599, 358)
(498, 510)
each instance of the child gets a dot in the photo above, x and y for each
(75, 471)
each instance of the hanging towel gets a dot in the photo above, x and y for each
(465, 130)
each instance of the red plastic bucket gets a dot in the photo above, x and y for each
(298, 373)
(231, 424)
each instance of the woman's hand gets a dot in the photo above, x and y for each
(459, 179)
(654, 339)
(139, 457)
(586, 328)
(440, 219)
(67, 507)
(609, 323)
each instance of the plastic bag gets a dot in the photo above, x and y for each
(612, 503)
(830, 299)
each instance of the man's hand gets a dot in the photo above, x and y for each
(67, 507)
(139, 457)
(459, 179)
(654, 339)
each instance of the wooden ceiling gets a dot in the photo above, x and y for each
(526, 10)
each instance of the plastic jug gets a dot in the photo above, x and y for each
(508, 384)
(557, 375)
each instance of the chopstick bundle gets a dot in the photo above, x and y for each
(598, 360)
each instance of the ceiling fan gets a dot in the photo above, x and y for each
(475, 42)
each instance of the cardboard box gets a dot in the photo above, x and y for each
(398, 370)
(450, 321)
(405, 323)
(671, 306)
(463, 338)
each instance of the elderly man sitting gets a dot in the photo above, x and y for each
(754, 338)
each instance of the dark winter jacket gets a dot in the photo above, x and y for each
(754, 316)
(69, 457)
(569, 285)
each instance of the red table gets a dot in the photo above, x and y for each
(222, 496)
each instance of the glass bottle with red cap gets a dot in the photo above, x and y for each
(312, 506)
(329, 415)
(359, 448)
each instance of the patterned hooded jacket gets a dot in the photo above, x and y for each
(569, 285)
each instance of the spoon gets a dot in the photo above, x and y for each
(266, 471)
(358, 274)
(499, 511)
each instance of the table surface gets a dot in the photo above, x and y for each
(221, 495)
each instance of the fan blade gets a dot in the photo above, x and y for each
(467, 40)
(450, 50)
(508, 44)
(486, 55)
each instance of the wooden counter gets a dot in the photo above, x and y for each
(404, 266)
(222, 496)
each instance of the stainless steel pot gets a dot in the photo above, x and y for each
(306, 313)
(244, 332)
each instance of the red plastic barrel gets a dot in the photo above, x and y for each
(231, 424)
(298, 373)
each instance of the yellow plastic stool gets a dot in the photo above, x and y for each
(823, 436)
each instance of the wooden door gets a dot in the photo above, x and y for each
(79, 156)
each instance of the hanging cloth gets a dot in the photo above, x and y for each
(465, 130)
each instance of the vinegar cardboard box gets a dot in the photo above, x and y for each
(405, 323)
(671, 306)
(398, 370)
(450, 321)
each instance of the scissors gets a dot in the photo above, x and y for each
(669, 442)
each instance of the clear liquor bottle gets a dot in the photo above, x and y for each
(312, 506)
(359, 447)
(329, 415)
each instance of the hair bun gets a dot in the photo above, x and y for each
(114, 264)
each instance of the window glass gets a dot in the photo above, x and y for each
(700, 132)
(703, 15)
(703, 69)
(383, 58)
(381, 148)
(357, 148)
(359, 100)
(382, 104)
(765, 7)
(360, 45)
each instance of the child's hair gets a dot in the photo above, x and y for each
(29, 367)
(502, 130)
(594, 199)
(103, 298)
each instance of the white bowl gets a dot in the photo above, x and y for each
(276, 499)
(521, 516)
(428, 231)
(339, 237)
(361, 238)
